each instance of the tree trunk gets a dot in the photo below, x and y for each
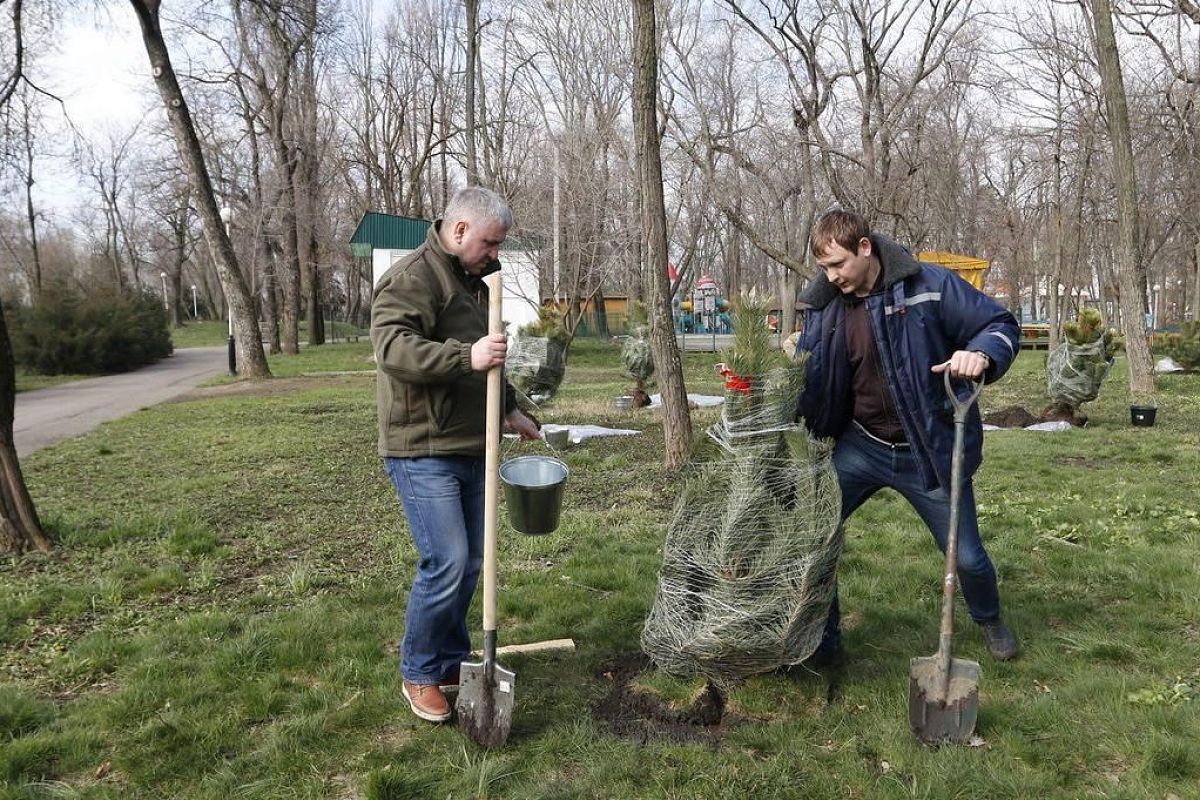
(252, 362)
(472, 7)
(288, 272)
(310, 179)
(30, 216)
(314, 298)
(270, 297)
(677, 421)
(1196, 293)
(20, 528)
(1108, 58)
(1052, 315)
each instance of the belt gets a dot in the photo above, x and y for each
(877, 440)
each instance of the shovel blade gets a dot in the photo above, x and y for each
(485, 702)
(935, 714)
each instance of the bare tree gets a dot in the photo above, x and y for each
(108, 164)
(270, 43)
(20, 528)
(580, 56)
(251, 359)
(677, 421)
(25, 169)
(473, 65)
(1141, 375)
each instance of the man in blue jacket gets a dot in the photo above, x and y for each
(881, 328)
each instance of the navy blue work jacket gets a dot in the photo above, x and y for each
(923, 314)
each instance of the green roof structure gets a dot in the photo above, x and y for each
(377, 231)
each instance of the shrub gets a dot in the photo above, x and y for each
(1185, 349)
(104, 331)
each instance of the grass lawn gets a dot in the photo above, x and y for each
(221, 615)
(213, 333)
(30, 381)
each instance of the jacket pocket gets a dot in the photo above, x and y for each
(397, 406)
(441, 406)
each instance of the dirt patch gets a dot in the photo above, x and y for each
(1019, 417)
(1081, 461)
(635, 714)
(1010, 417)
(1060, 413)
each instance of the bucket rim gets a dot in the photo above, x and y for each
(541, 459)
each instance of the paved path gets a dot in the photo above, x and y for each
(706, 342)
(46, 416)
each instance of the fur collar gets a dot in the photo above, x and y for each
(898, 264)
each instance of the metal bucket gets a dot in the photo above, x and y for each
(533, 490)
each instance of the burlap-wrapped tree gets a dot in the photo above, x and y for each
(1078, 366)
(637, 364)
(754, 537)
(537, 357)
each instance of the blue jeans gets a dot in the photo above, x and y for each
(443, 502)
(865, 466)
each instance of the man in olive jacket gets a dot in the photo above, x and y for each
(429, 330)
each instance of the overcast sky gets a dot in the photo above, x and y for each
(100, 70)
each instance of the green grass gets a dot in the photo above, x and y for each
(30, 381)
(220, 617)
(214, 333)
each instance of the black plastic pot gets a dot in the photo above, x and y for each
(1142, 416)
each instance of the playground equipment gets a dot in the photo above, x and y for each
(705, 311)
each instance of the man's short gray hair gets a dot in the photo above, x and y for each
(476, 204)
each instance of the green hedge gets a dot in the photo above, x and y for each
(103, 331)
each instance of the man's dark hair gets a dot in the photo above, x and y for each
(847, 228)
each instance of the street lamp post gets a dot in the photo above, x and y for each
(162, 276)
(227, 218)
(195, 313)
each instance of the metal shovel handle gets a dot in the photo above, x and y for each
(961, 407)
(950, 580)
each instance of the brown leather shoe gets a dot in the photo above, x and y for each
(426, 701)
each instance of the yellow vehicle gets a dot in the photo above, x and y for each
(969, 268)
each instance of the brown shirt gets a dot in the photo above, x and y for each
(874, 408)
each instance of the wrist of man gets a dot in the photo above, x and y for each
(986, 358)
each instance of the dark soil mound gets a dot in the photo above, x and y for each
(1018, 417)
(1010, 417)
(1056, 412)
(632, 713)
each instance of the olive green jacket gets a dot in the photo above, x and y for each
(426, 313)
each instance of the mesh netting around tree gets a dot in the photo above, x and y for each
(753, 542)
(535, 365)
(636, 360)
(1074, 372)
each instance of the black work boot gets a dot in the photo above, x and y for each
(1000, 640)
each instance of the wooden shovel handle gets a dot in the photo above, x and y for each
(492, 433)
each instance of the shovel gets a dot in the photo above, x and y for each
(485, 695)
(943, 692)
